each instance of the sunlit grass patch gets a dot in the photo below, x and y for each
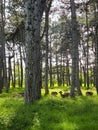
(49, 113)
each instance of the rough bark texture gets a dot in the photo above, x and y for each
(96, 61)
(96, 49)
(1, 64)
(2, 24)
(75, 54)
(87, 53)
(47, 8)
(46, 56)
(50, 71)
(33, 11)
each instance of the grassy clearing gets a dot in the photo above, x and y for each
(50, 113)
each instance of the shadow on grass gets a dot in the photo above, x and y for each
(52, 113)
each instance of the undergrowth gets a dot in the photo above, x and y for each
(49, 113)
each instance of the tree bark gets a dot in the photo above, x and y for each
(33, 11)
(2, 5)
(1, 63)
(50, 70)
(47, 50)
(75, 54)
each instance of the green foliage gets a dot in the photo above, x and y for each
(49, 113)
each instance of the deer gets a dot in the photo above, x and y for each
(89, 93)
(54, 93)
(63, 95)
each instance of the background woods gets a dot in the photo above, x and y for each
(47, 44)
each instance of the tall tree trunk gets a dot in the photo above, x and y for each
(63, 72)
(47, 9)
(1, 63)
(14, 73)
(9, 70)
(87, 54)
(18, 73)
(50, 71)
(61, 69)
(2, 4)
(96, 61)
(67, 71)
(57, 70)
(75, 54)
(46, 56)
(96, 49)
(21, 67)
(33, 11)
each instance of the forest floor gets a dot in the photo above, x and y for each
(49, 113)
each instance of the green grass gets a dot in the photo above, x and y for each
(49, 113)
